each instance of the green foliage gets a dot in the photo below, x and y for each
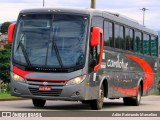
(5, 88)
(4, 27)
(5, 64)
(7, 46)
(159, 74)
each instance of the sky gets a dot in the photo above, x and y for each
(9, 9)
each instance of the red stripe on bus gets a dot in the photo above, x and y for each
(128, 91)
(23, 73)
(20, 72)
(148, 72)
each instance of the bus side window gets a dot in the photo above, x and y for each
(127, 38)
(138, 42)
(121, 37)
(117, 35)
(146, 44)
(98, 22)
(154, 48)
(108, 34)
(95, 51)
(131, 39)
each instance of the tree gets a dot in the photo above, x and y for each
(4, 27)
(5, 64)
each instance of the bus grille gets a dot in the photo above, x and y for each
(53, 92)
(40, 83)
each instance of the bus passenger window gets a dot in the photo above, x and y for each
(131, 39)
(108, 34)
(146, 44)
(121, 37)
(154, 48)
(97, 21)
(138, 42)
(127, 38)
(117, 36)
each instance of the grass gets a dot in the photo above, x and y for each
(6, 95)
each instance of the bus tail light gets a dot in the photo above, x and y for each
(11, 32)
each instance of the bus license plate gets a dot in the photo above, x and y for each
(44, 88)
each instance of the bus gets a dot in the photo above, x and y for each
(81, 55)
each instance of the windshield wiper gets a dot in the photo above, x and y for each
(57, 53)
(20, 45)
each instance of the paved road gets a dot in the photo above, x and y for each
(149, 103)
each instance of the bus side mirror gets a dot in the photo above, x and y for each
(95, 38)
(11, 29)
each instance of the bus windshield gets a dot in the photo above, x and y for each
(56, 41)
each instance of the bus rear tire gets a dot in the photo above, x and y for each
(134, 101)
(98, 103)
(38, 102)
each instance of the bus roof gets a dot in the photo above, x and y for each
(108, 15)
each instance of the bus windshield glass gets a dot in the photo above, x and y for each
(45, 40)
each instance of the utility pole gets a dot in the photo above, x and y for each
(144, 10)
(43, 2)
(93, 4)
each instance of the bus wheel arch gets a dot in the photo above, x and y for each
(105, 85)
(141, 84)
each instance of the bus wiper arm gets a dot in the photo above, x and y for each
(20, 45)
(57, 53)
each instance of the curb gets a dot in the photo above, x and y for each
(13, 99)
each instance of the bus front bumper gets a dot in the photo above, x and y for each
(70, 92)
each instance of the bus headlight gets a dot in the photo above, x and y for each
(16, 77)
(76, 80)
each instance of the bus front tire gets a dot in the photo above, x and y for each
(38, 102)
(85, 101)
(98, 103)
(134, 101)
